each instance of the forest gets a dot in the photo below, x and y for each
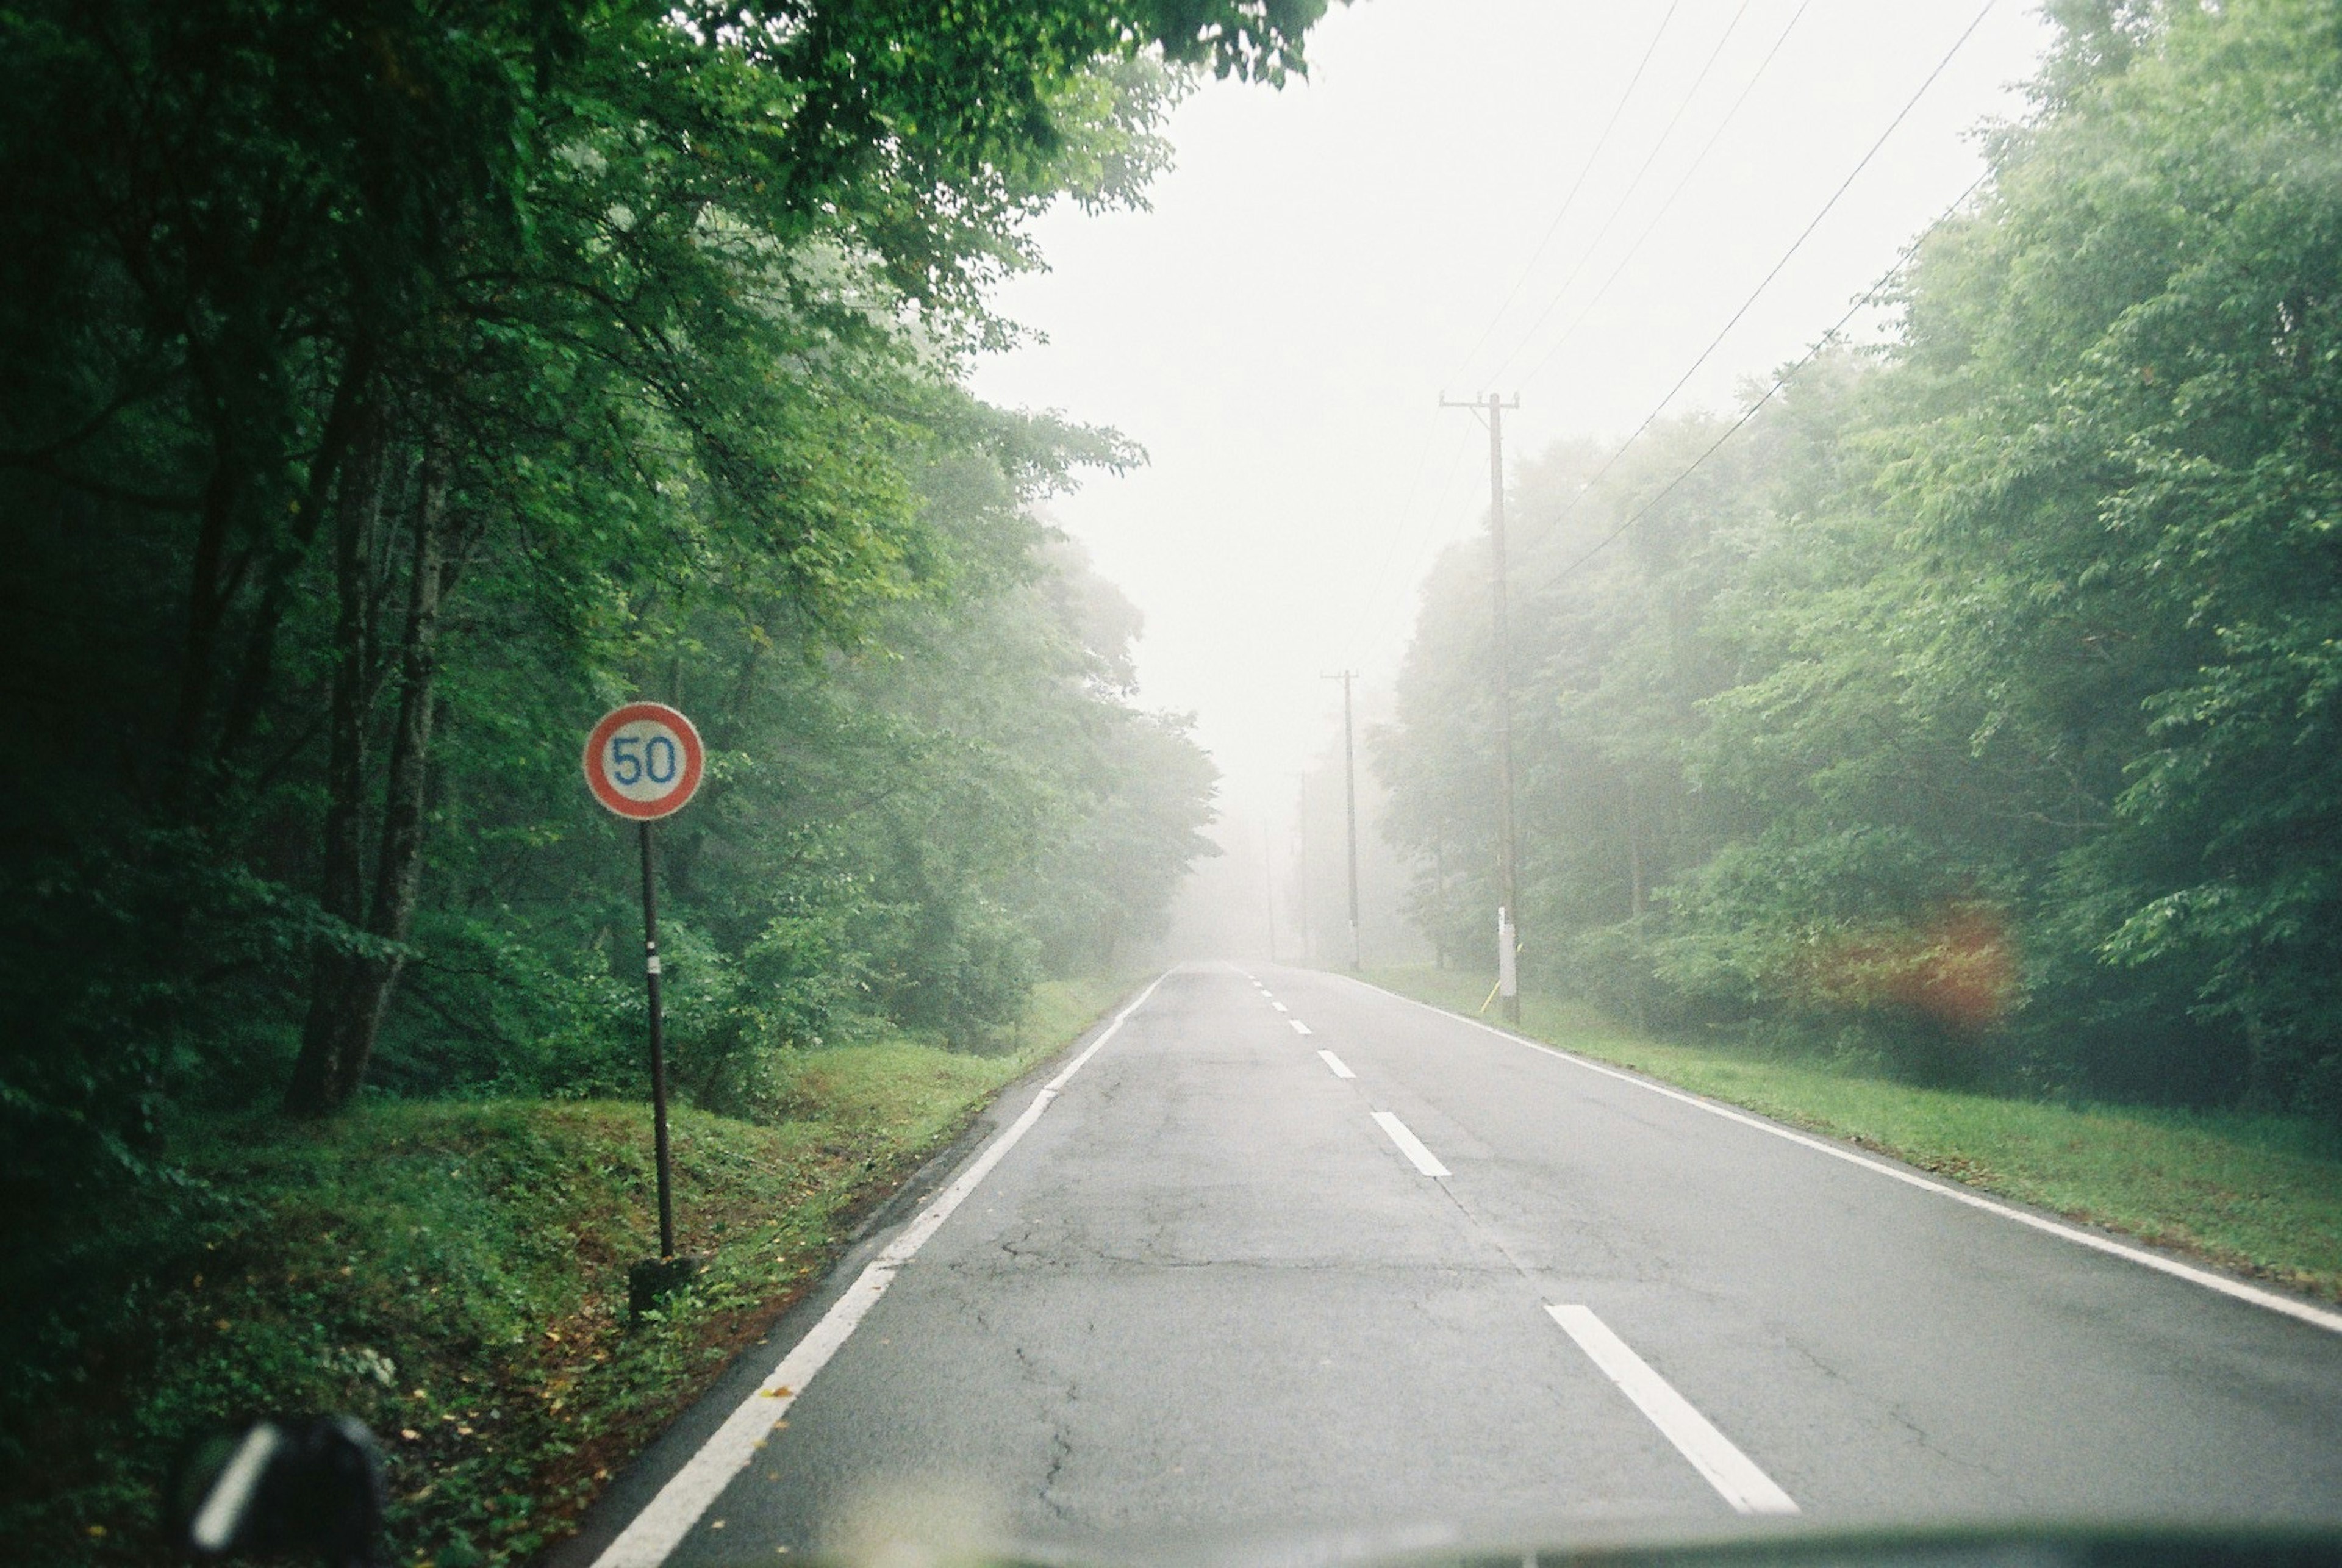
(1964, 705)
(373, 425)
(391, 389)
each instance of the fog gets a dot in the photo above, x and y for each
(1326, 261)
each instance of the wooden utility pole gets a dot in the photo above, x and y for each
(1268, 890)
(1508, 916)
(1308, 947)
(1350, 796)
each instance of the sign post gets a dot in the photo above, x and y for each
(644, 762)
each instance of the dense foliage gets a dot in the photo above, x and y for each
(1976, 707)
(395, 385)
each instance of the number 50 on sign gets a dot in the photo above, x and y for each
(642, 761)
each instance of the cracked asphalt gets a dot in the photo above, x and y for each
(1207, 1293)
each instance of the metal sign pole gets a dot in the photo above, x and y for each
(645, 761)
(659, 1046)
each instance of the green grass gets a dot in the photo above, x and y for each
(2258, 1195)
(454, 1273)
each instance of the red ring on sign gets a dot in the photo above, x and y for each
(695, 760)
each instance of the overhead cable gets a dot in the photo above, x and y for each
(1794, 245)
(1618, 208)
(1584, 169)
(1780, 380)
(1698, 160)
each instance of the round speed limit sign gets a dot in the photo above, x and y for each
(642, 761)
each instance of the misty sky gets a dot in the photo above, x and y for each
(1325, 260)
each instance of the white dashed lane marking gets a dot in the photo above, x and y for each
(1409, 1144)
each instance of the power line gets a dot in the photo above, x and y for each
(1683, 104)
(1584, 169)
(1380, 600)
(1767, 281)
(1779, 382)
(1699, 161)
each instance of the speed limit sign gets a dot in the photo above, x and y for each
(643, 761)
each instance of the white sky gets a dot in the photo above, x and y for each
(1320, 265)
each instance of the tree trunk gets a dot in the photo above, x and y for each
(346, 425)
(398, 863)
(350, 985)
(356, 514)
(206, 605)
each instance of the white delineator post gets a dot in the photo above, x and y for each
(1508, 978)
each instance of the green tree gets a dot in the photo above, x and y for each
(347, 335)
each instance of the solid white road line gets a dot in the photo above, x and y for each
(1409, 1144)
(2239, 1290)
(1336, 1063)
(668, 1517)
(1732, 1473)
(1298, 1026)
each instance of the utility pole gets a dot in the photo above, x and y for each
(1268, 890)
(1350, 797)
(1508, 914)
(1308, 948)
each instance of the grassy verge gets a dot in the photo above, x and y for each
(2258, 1195)
(454, 1273)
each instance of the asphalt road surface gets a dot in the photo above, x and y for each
(1284, 1250)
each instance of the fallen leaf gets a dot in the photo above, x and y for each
(409, 1433)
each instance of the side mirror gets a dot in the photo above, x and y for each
(310, 1488)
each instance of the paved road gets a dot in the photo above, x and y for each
(1219, 1286)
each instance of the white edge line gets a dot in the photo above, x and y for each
(1340, 1071)
(668, 1517)
(1298, 1026)
(2315, 1316)
(1732, 1473)
(1410, 1146)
